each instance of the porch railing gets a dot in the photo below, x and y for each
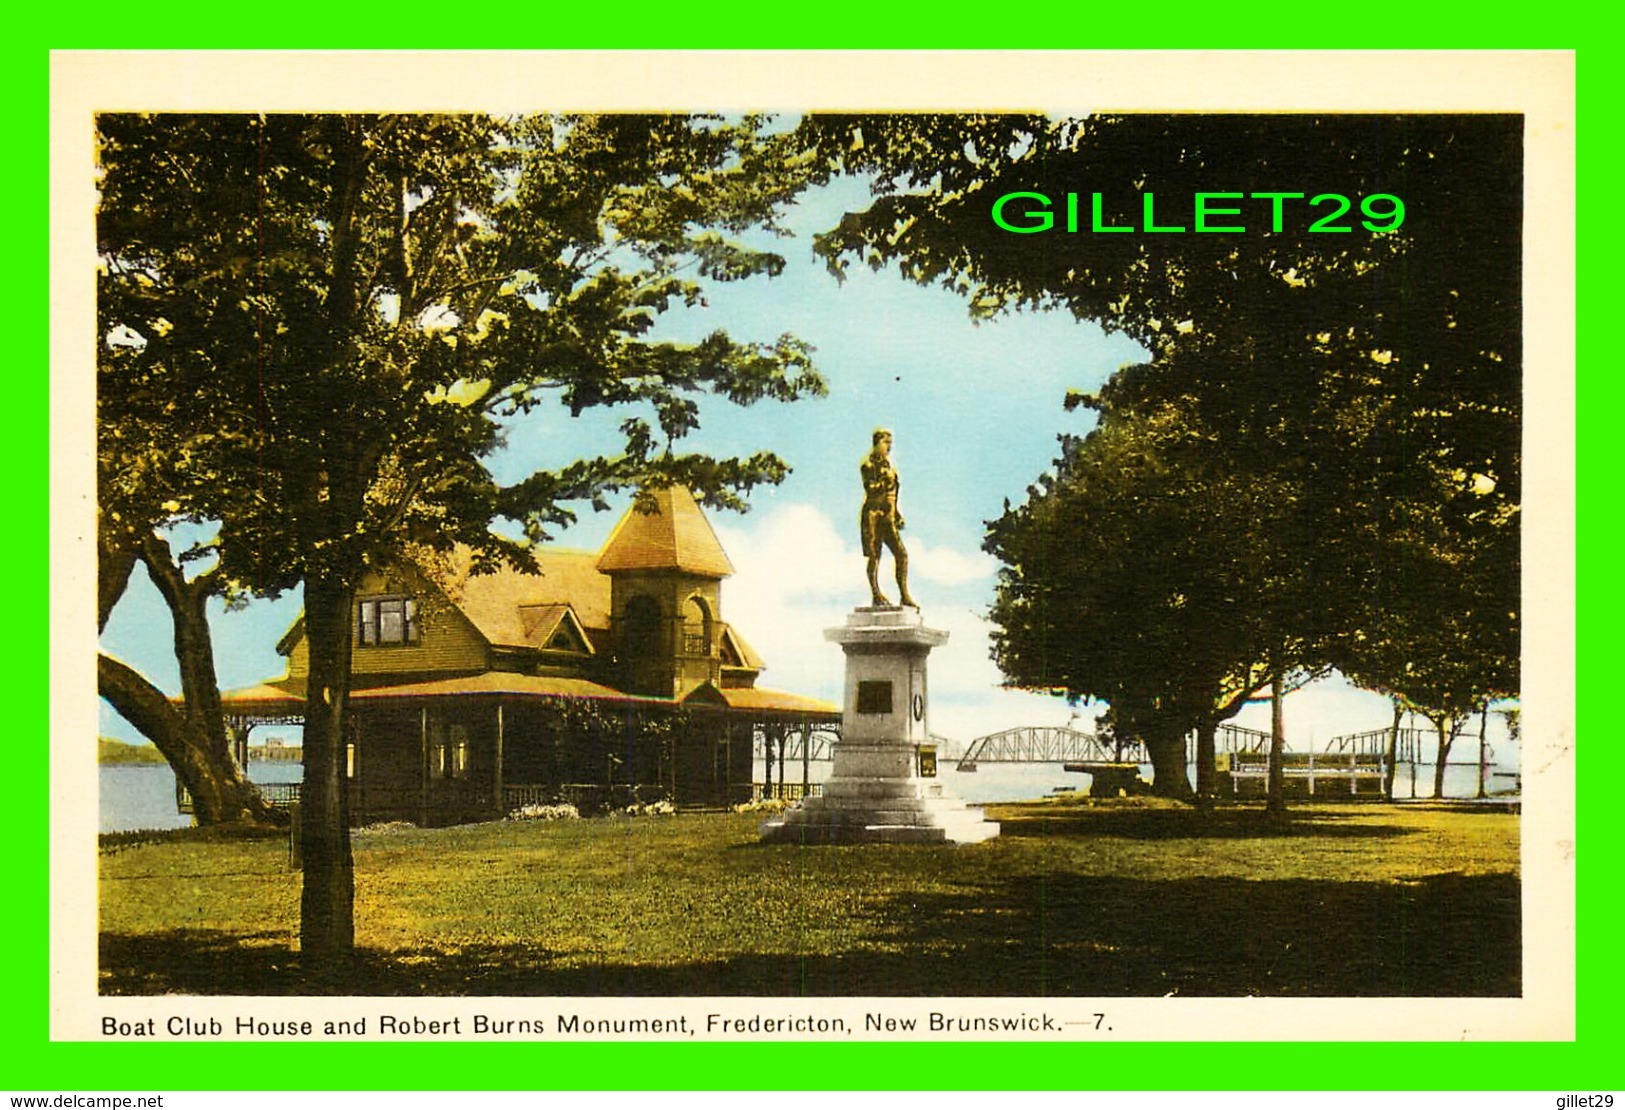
(789, 791)
(280, 795)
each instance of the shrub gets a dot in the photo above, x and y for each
(658, 808)
(563, 811)
(386, 827)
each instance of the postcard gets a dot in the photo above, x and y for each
(813, 547)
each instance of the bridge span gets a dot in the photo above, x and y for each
(1026, 744)
(1037, 744)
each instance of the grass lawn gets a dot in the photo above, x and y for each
(1131, 898)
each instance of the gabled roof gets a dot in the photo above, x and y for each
(676, 536)
(505, 605)
(514, 609)
(743, 655)
(554, 627)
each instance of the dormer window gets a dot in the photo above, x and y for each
(387, 620)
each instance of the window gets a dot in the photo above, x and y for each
(387, 620)
(640, 628)
(456, 758)
(450, 753)
(696, 628)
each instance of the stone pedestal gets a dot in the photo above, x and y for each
(875, 792)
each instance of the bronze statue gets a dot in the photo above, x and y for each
(880, 523)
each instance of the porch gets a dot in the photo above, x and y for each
(476, 749)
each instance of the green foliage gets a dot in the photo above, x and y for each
(1321, 463)
(1154, 575)
(317, 322)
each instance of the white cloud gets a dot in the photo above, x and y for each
(795, 575)
(948, 566)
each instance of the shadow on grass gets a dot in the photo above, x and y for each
(1024, 936)
(1184, 823)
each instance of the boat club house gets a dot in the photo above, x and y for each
(607, 678)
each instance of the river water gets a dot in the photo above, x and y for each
(142, 795)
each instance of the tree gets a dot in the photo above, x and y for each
(145, 431)
(360, 302)
(192, 736)
(1376, 374)
(1432, 304)
(1441, 639)
(1151, 574)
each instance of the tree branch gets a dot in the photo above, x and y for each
(114, 564)
(141, 703)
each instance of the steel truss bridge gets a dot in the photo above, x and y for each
(787, 745)
(795, 743)
(1047, 745)
(1064, 745)
(1038, 744)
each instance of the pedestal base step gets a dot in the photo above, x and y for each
(815, 821)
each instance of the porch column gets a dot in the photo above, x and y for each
(237, 736)
(784, 735)
(767, 761)
(500, 805)
(423, 772)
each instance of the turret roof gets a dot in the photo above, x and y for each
(675, 536)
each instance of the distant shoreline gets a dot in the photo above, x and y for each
(117, 751)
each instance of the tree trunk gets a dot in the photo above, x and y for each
(1277, 773)
(1206, 750)
(1391, 765)
(1169, 778)
(206, 770)
(327, 900)
(1483, 750)
(1446, 728)
(191, 737)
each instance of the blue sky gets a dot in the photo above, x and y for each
(976, 409)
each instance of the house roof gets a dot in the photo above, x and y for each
(272, 698)
(748, 658)
(500, 683)
(514, 609)
(287, 695)
(496, 603)
(675, 536)
(759, 698)
(278, 696)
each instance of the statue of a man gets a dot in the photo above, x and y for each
(880, 522)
